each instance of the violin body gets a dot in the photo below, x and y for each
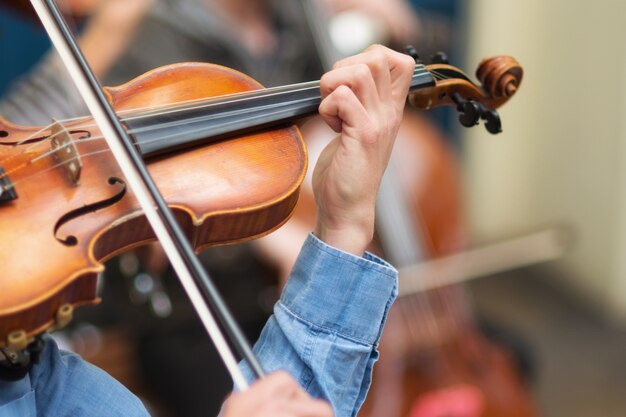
(60, 228)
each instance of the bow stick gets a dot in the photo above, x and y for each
(197, 283)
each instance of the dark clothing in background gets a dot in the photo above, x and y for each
(179, 31)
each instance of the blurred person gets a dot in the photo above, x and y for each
(264, 39)
(47, 91)
(326, 339)
(398, 17)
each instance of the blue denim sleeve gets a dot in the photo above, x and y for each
(64, 385)
(327, 324)
(324, 331)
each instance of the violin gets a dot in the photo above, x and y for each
(223, 151)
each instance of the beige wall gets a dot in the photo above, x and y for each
(562, 156)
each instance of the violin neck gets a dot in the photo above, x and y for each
(166, 130)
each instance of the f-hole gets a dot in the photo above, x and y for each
(71, 240)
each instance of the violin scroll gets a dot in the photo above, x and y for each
(500, 75)
(500, 78)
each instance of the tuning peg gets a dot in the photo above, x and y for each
(440, 58)
(469, 113)
(469, 110)
(493, 124)
(412, 52)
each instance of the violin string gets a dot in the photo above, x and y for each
(443, 294)
(239, 97)
(55, 150)
(174, 107)
(419, 304)
(243, 96)
(423, 300)
(452, 317)
(138, 113)
(136, 130)
(431, 295)
(29, 149)
(409, 318)
(21, 142)
(416, 305)
(171, 108)
(236, 97)
(51, 168)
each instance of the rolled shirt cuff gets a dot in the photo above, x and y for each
(340, 292)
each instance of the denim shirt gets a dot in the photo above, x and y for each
(324, 331)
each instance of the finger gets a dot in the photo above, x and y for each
(278, 385)
(308, 408)
(401, 67)
(342, 109)
(357, 78)
(376, 60)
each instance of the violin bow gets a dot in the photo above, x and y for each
(197, 283)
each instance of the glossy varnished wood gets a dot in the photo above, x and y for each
(224, 192)
(500, 77)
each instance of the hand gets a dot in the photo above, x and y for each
(363, 99)
(278, 395)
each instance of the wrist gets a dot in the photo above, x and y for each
(349, 236)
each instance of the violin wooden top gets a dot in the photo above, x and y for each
(224, 192)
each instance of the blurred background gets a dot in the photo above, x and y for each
(511, 248)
